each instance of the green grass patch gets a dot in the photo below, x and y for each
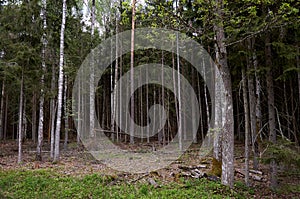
(49, 184)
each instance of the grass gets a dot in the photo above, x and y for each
(49, 184)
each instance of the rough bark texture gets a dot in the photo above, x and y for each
(228, 130)
(246, 109)
(252, 106)
(271, 108)
(60, 83)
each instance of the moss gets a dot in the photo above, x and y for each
(216, 167)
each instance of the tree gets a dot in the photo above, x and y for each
(271, 108)
(228, 130)
(247, 121)
(92, 79)
(20, 136)
(132, 74)
(42, 95)
(60, 83)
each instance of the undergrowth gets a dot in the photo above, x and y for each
(49, 184)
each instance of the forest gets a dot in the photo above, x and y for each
(149, 99)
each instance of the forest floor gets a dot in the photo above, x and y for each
(77, 163)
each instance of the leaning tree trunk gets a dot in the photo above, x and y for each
(60, 83)
(42, 96)
(228, 130)
(271, 108)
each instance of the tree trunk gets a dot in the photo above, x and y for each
(52, 112)
(42, 95)
(179, 95)
(92, 79)
(5, 118)
(218, 111)
(2, 110)
(60, 83)
(246, 108)
(20, 120)
(66, 114)
(252, 102)
(271, 108)
(298, 66)
(34, 118)
(132, 74)
(228, 130)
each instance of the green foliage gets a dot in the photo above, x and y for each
(49, 184)
(284, 151)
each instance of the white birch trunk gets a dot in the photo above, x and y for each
(92, 79)
(60, 83)
(20, 120)
(42, 95)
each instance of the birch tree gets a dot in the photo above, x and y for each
(92, 78)
(60, 83)
(20, 124)
(42, 97)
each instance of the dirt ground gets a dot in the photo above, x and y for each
(76, 161)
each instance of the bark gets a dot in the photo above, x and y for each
(5, 118)
(179, 95)
(60, 83)
(34, 109)
(271, 109)
(258, 99)
(132, 74)
(52, 112)
(298, 66)
(115, 95)
(20, 120)
(79, 113)
(2, 110)
(92, 79)
(252, 103)
(42, 95)
(218, 111)
(228, 130)
(246, 109)
(66, 114)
